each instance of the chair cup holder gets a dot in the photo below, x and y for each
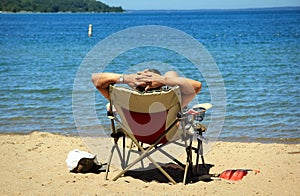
(200, 116)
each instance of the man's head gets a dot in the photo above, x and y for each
(154, 71)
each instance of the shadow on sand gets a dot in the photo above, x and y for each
(175, 172)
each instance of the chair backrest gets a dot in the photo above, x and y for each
(147, 115)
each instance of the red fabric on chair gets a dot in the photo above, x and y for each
(147, 127)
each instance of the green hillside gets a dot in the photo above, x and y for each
(56, 6)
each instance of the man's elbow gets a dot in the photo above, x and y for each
(95, 79)
(198, 87)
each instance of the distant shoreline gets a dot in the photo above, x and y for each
(293, 8)
(25, 12)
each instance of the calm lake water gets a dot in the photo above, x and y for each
(257, 53)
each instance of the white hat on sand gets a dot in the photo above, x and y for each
(75, 156)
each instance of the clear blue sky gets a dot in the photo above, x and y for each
(199, 4)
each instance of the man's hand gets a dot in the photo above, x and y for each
(134, 80)
(152, 80)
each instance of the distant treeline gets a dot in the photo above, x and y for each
(56, 6)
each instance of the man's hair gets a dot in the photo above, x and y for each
(154, 71)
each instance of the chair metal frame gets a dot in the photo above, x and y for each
(146, 153)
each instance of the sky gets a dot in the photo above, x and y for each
(199, 4)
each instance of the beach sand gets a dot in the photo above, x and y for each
(35, 164)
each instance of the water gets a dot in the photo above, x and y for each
(257, 52)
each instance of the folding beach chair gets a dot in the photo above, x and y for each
(151, 118)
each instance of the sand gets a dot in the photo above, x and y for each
(35, 164)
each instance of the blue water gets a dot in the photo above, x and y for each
(257, 52)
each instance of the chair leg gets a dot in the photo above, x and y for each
(124, 145)
(189, 162)
(109, 161)
(143, 155)
(197, 157)
(115, 147)
(199, 151)
(185, 172)
(129, 152)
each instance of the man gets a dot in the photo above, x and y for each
(148, 80)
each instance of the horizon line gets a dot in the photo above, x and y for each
(187, 9)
